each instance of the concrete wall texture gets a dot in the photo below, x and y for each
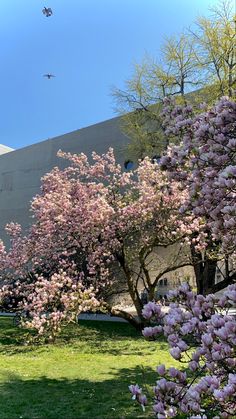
(22, 169)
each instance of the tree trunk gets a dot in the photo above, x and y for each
(151, 293)
(208, 276)
(134, 294)
(135, 321)
(205, 271)
(230, 81)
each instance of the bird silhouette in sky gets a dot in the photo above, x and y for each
(49, 76)
(47, 11)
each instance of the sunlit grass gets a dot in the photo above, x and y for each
(85, 374)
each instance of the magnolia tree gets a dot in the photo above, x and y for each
(205, 161)
(45, 298)
(201, 331)
(201, 334)
(93, 223)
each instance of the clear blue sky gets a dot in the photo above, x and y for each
(90, 45)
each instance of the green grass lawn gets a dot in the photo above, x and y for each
(85, 374)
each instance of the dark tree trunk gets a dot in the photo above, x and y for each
(205, 271)
(135, 321)
(151, 293)
(208, 276)
(182, 86)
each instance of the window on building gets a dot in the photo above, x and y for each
(128, 164)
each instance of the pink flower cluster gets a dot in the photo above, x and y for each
(86, 218)
(201, 333)
(49, 302)
(205, 161)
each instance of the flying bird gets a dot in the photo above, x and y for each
(49, 76)
(47, 11)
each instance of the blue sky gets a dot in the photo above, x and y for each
(90, 45)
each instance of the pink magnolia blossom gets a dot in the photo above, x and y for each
(205, 161)
(209, 353)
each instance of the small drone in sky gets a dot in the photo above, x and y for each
(47, 11)
(49, 76)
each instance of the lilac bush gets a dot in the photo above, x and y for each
(201, 334)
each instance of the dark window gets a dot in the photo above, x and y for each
(165, 282)
(128, 164)
(161, 283)
(156, 159)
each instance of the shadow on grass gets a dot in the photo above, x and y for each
(47, 398)
(11, 334)
(99, 336)
(13, 339)
(111, 337)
